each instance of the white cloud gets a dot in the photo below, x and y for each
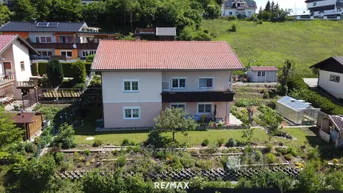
(286, 4)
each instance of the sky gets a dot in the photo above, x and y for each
(286, 4)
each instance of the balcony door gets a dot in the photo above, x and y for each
(8, 69)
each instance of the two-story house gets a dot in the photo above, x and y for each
(243, 8)
(15, 65)
(330, 74)
(320, 8)
(141, 78)
(72, 40)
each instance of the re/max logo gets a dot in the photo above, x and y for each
(171, 185)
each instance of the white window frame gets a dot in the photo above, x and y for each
(206, 87)
(184, 104)
(88, 52)
(178, 88)
(130, 80)
(66, 53)
(334, 75)
(132, 108)
(204, 108)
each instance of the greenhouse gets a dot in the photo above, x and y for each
(297, 111)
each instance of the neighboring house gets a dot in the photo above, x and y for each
(297, 111)
(331, 129)
(69, 39)
(262, 73)
(331, 75)
(30, 122)
(320, 8)
(158, 33)
(243, 8)
(141, 78)
(15, 65)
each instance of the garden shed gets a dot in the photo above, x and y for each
(262, 73)
(297, 111)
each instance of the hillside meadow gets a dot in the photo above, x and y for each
(305, 42)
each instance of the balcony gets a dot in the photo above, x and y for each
(6, 79)
(208, 96)
(25, 84)
(69, 46)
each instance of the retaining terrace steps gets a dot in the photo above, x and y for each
(187, 174)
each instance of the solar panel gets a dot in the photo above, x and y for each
(42, 24)
(53, 24)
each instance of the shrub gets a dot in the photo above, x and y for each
(55, 72)
(233, 28)
(86, 152)
(59, 157)
(155, 139)
(175, 162)
(271, 158)
(187, 163)
(97, 143)
(79, 72)
(220, 142)
(121, 161)
(126, 142)
(283, 151)
(293, 151)
(231, 18)
(231, 143)
(258, 156)
(29, 147)
(90, 58)
(269, 147)
(65, 138)
(288, 157)
(205, 142)
(204, 164)
(247, 102)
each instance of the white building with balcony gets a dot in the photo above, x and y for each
(243, 8)
(321, 8)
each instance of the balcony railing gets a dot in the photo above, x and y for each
(4, 79)
(207, 96)
(25, 84)
(82, 46)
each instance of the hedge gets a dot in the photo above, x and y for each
(67, 70)
(300, 91)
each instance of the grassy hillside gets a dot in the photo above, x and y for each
(306, 42)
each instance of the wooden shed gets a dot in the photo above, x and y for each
(262, 73)
(31, 122)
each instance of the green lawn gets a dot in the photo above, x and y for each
(306, 42)
(195, 138)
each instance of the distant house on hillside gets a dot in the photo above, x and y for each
(72, 40)
(320, 8)
(158, 33)
(331, 75)
(243, 8)
(262, 73)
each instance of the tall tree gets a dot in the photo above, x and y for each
(286, 74)
(24, 10)
(5, 14)
(9, 133)
(66, 10)
(43, 8)
(174, 120)
(79, 71)
(94, 12)
(55, 72)
(267, 8)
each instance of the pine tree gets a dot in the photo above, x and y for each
(267, 7)
(55, 72)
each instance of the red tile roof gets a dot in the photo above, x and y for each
(165, 55)
(5, 41)
(263, 68)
